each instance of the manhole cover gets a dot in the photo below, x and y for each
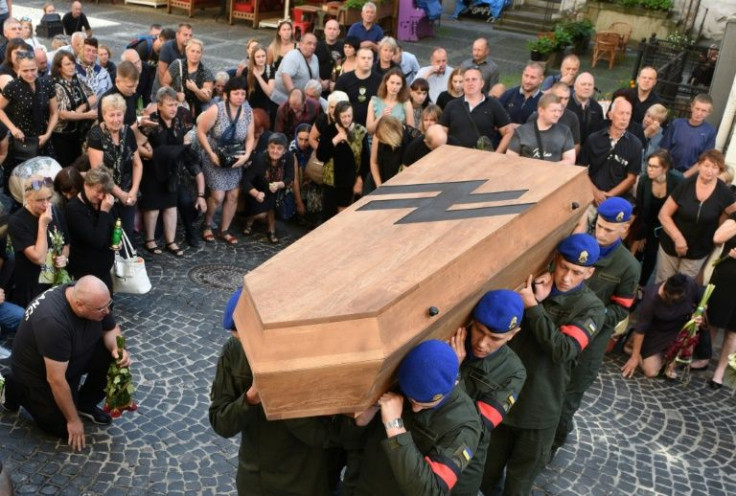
(219, 276)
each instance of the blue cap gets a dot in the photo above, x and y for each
(579, 249)
(500, 310)
(228, 323)
(615, 209)
(429, 371)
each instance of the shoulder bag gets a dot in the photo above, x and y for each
(229, 151)
(483, 142)
(129, 270)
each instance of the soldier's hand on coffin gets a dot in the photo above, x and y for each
(251, 396)
(391, 406)
(364, 418)
(457, 342)
(542, 286)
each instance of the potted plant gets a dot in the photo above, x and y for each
(580, 32)
(541, 48)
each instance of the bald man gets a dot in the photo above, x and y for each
(589, 112)
(329, 53)
(75, 20)
(480, 52)
(67, 331)
(435, 137)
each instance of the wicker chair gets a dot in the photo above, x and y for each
(606, 45)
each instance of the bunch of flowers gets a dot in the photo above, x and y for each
(119, 390)
(681, 350)
(61, 276)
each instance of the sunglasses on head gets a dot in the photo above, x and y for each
(37, 184)
(25, 19)
(23, 54)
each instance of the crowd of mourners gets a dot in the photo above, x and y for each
(298, 131)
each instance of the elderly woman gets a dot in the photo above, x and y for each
(162, 175)
(272, 171)
(28, 109)
(91, 223)
(690, 217)
(324, 120)
(31, 229)
(229, 123)
(191, 79)
(75, 101)
(387, 48)
(112, 144)
(341, 149)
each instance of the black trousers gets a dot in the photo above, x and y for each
(39, 400)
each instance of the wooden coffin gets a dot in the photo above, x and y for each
(325, 322)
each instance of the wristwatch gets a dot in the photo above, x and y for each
(396, 423)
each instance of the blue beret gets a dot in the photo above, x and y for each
(615, 209)
(579, 249)
(429, 371)
(228, 323)
(500, 310)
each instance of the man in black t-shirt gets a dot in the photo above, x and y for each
(475, 115)
(126, 82)
(329, 52)
(360, 85)
(76, 21)
(170, 51)
(68, 331)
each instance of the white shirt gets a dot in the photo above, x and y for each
(437, 82)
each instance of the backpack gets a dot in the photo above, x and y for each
(147, 39)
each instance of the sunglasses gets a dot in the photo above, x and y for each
(38, 184)
(25, 19)
(23, 54)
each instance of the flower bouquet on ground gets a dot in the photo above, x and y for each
(119, 390)
(61, 276)
(680, 351)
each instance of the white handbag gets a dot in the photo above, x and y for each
(129, 270)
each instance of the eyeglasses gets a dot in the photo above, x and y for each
(105, 307)
(37, 184)
(22, 54)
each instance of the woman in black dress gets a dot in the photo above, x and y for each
(161, 175)
(91, 224)
(272, 170)
(31, 229)
(112, 144)
(261, 82)
(386, 151)
(652, 190)
(28, 109)
(721, 308)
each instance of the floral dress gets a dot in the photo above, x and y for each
(218, 178)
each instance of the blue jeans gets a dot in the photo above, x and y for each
(10, 317)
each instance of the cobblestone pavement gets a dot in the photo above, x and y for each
(633, 437)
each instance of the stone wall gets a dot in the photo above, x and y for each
(644, 22)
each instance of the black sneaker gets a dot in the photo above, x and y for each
(97, 415)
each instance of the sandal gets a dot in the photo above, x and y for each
(155, 249)
(272, 237)
(228, 238)
(207, 235)
(248, 230)
(174, 249)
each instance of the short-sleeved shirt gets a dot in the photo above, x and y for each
(27, 109)
(50, 329)
(168, 54)
(131, 103)
(409, 65)
(73, 25)
(518, 106)
(118, 158)
(437, 82)
(69, 96)
(685, 142)
(301, 71)
(487, 115)
(568, 119)
(488, 68)
(555, 141)
(178, 70)
(608, 166)
(374, 34)
(640, 107)
(359, 92)
(328, 56)
(696, 221)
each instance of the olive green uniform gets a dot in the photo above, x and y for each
(494, 383)
(614, 282)
(277, 458)
(552, 335)
(426, 460)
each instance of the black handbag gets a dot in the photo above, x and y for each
(228, 150)
(24, 150)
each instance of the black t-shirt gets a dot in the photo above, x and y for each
(607, 167)
(487, 115)
(697, 221)
(131, 102)
(328, 55)
(50, 329)
(72, 25)
(30, 278)
(445, 98)
(640, 108)
(359, 92)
